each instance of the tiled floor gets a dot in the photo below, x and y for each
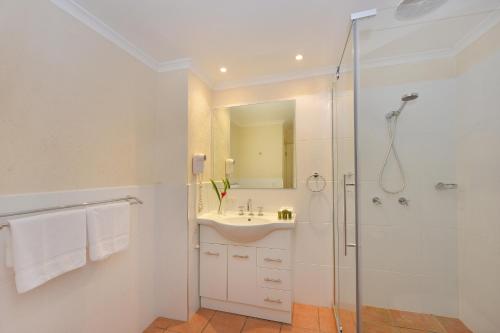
(311, 319)
(378, 320)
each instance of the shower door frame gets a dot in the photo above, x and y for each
(355, 18)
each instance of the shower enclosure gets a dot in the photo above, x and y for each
(417, 188)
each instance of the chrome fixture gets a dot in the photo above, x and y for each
(377, 201)
(261, 211)
(130, 199)
(346, 245)
(443, 186)
(403, 201)
(249, 207)
(241, 210)
(392, 125)
(404, 99)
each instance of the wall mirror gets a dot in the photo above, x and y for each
(254, 145)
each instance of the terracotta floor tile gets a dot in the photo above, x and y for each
(453, 325)
(327, 322)
(195, 325)
(416, 321)
(154, 330)
(285, 328)
(254, 325)
(375, 315)
(162, 322)
(375, 327)
(304, 308)
(223, 322)
(305, 316)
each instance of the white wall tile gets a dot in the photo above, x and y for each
(314, 243)
(313, 284)
(315, 156)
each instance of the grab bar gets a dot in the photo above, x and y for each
(443, 186)
(345, 214)
(130, 199)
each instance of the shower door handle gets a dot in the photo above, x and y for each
(345, 215)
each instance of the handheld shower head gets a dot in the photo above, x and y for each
(404, 99)
(409, 97)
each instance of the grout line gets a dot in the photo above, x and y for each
(206, 324)
(244, 324)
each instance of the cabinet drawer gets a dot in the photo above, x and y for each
(274, 299)
(274, 278)
(273, 258)
(242, 274)
(213, 271)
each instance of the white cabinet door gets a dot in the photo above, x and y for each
(242, 274)
(213, 271)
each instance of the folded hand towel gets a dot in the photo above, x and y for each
(108, 228)
(46, 246)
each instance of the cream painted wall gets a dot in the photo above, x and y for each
(479, 183)
(76, 111)
(171, 195)
(199, 141)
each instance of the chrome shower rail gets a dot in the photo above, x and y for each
(130, 199)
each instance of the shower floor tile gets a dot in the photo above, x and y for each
(312, 319)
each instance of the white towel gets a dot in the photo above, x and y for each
(46, 246)
(108, 228)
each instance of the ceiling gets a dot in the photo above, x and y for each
(257, 40)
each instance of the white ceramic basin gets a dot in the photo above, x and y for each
(244, 228)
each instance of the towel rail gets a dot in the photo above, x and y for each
(132, 200)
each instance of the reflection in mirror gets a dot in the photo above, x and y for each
(254, 145)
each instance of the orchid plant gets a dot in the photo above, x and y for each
(221, 194)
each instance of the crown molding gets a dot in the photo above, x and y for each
(487, 24)
(268, 79)
(90, 20)
(174, 65)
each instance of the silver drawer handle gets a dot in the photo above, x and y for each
(240, 256)
(272, 280)
(272, 259)
(212, 253)
(270, 300)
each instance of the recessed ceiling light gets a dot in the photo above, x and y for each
(299, 57)
(223, 69)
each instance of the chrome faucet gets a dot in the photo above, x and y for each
(249, 207)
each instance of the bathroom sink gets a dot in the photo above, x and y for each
(243, 229)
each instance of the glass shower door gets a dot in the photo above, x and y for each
(427, 172)
(344, 219)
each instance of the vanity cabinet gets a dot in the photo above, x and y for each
(253, 279)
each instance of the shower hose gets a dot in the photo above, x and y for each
(392, 126)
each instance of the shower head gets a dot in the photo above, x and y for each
(404, 99)
(409, 97)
